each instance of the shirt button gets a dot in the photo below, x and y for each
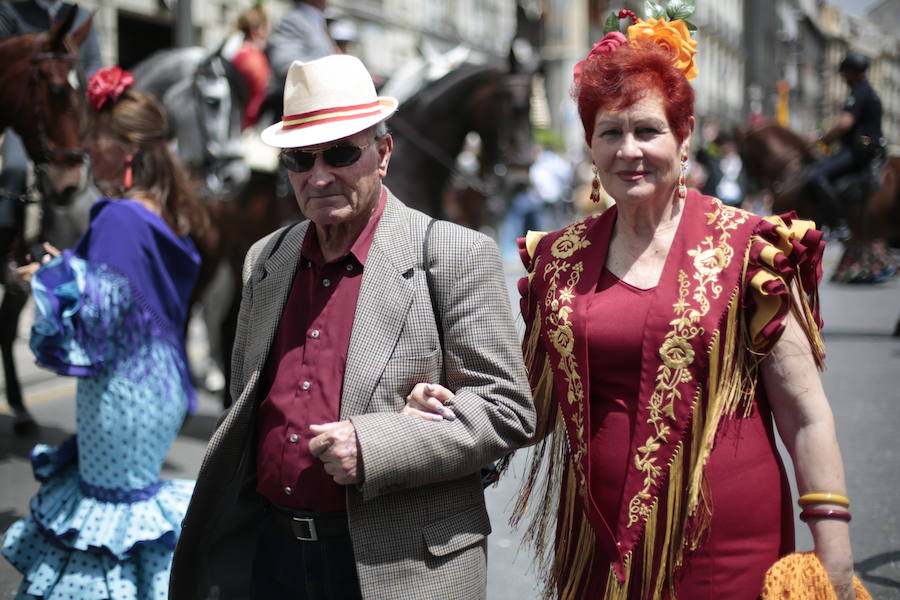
(305, 385)
(314, 334)
(326, 282)
(287, 490)
(293, 438)
(349, 267)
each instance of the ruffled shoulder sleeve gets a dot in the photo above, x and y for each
(79, 307)
(527, 252)
(784, 268)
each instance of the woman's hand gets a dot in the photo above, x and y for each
(838, 563)
(428, 401)
(26, 272)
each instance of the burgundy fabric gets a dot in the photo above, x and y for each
(752, 523)
(305, 373)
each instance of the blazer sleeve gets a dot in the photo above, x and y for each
(484, 368)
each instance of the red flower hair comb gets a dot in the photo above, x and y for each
(107, 84)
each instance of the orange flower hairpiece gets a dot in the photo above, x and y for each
(666, 25)
(107, 84)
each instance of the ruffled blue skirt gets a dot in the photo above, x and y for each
(75, 546)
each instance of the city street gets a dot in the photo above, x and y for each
(862, 381)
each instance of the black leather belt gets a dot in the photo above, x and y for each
(310, 526)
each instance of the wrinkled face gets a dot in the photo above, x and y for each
(108, 154)
(636, 153)
(329, 195)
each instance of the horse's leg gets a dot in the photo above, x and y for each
(13, 302)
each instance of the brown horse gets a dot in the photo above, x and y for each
(42, 99)
(777, 158)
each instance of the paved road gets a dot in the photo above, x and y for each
(862, 381)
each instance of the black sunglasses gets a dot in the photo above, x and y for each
(301, 161)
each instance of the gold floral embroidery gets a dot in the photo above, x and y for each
(563, 276)
(710, 258)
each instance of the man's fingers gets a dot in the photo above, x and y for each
(439, 392)
(319, 444)
(425, 416)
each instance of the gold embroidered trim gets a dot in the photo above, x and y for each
(710, 258)
(563, 276)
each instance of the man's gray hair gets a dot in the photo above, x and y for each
(380, 129)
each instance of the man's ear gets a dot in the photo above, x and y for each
(385, 148)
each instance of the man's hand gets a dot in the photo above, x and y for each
(427, 401)
(335, 445)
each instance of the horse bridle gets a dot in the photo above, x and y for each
(46, 152)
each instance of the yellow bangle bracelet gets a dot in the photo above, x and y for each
(807, 499)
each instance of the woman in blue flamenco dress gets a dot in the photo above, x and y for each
(112, 312)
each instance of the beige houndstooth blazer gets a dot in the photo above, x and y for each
(418, 521)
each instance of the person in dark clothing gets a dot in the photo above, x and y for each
(858, 127)
(19, 18)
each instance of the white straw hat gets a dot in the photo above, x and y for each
(325, 100)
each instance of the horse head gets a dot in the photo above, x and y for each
(491, 100)
(776, 156)
(508, 145)
(42, 98)
(203, 98)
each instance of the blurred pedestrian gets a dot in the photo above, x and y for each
(301, 34)
(320, 482)
(112, 312)
(251, 62)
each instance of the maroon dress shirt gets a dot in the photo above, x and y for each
(305, 373)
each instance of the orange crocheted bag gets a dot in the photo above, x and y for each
(800, 576)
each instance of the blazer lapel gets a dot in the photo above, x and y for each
(271, 286)
(385, 297)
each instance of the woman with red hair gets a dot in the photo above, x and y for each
(662, 338)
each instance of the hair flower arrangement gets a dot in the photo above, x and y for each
(107, 84)
(666, 25)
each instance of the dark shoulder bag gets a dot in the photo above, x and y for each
(490, 473)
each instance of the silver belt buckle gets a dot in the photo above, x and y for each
(304, 529)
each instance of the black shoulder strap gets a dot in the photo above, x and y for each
(429, 280)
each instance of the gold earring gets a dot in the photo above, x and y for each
(682, 187)
(595, 186)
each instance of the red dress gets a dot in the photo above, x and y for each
(752, 523)
(656, 434)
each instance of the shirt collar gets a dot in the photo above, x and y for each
(51, 6)
(360, 248)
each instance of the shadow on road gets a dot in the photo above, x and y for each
(200, 427)
(20, 446)
(883, 336)
(864, 569)
(7, 518)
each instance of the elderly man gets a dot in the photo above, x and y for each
(320, 482)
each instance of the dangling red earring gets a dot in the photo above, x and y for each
(682, 187)
(129, 173)
(595, 186)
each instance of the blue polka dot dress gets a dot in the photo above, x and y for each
(103, 524)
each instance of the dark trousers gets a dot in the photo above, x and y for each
(821, 174)
(285, 568)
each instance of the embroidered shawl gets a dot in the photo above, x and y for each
(704, 339)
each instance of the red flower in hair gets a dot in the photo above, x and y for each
(606, 46)
(107, 84)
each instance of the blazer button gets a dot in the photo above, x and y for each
(288, 490)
